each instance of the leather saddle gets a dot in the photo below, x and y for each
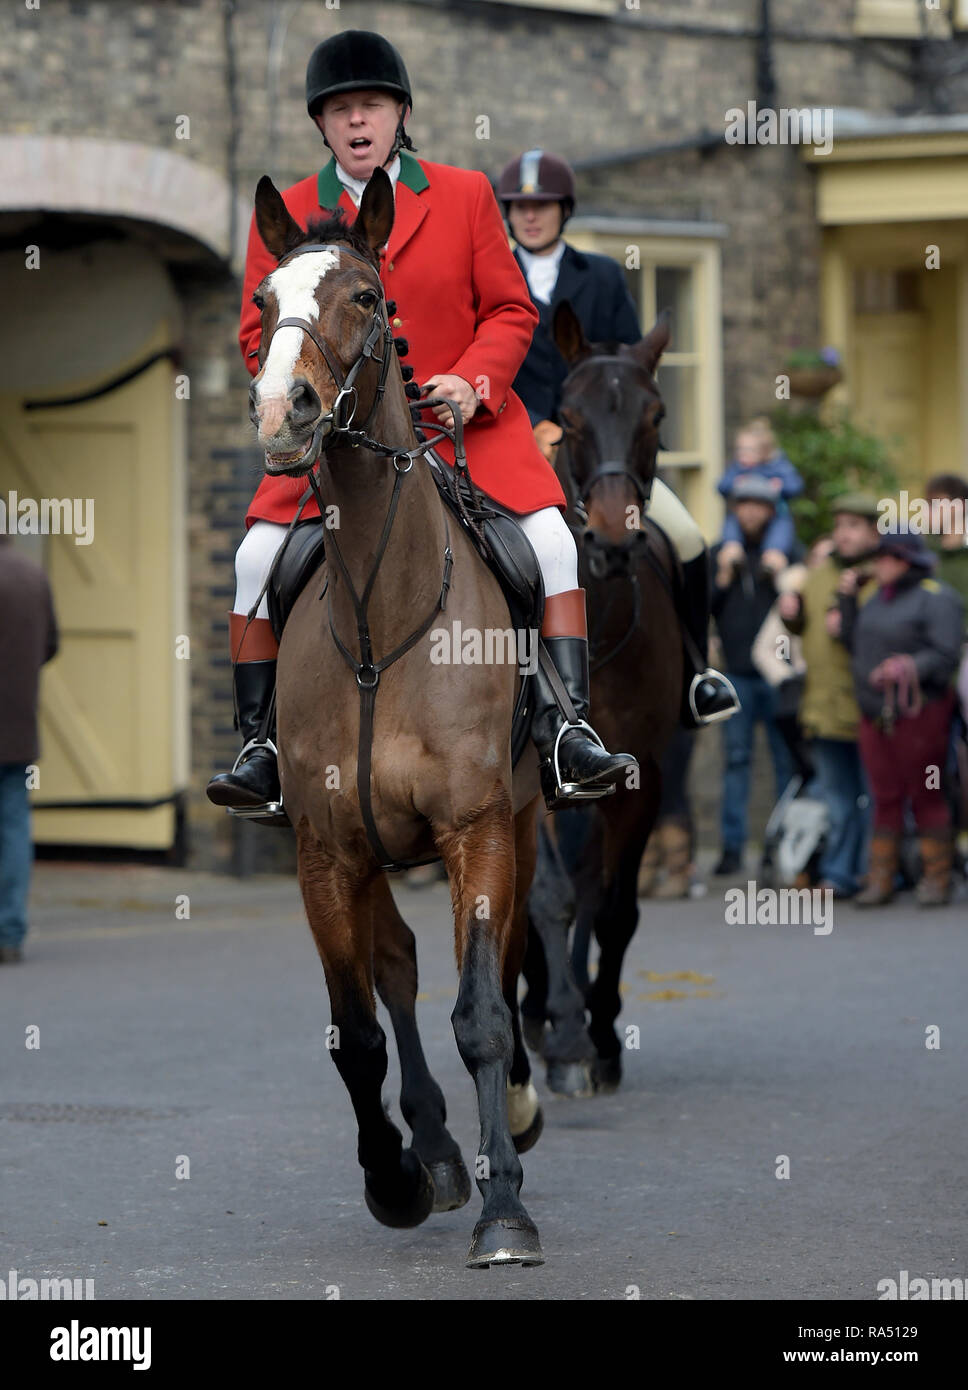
(496, 536)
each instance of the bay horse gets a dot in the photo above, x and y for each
(392, 750)
(611, 411)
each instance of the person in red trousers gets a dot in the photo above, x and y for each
(905, 644)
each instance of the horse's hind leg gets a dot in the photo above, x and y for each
(421, 1099)
(479, 856)
(397, 1187)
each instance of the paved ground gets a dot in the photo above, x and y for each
(162, 1037)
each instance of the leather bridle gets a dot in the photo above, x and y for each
(345, 383)
(610, 468)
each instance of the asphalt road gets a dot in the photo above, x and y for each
(162, 1039)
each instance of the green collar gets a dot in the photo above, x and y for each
(330, 188)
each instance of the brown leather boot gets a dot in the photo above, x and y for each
(649, 867)
(934, 887)
(675, 843)
(881, 870)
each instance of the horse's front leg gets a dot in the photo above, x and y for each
(421, 1099)
(565, 1045)
(397, 1187)
(479, 857)
(627, 828)
(524, 1111)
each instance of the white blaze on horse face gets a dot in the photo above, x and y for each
(294, 286)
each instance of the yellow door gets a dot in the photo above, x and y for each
(887, 389)
(112, 757)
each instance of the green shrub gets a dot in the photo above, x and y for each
(832, 458)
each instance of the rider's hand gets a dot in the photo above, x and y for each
(455, 388)
(547, 436)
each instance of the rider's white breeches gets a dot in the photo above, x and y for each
(667, 511)
(252, 562)
(555, 548)
(553, 544)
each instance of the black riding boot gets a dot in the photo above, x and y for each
(585, 768)
(707, 695)
(254, 780)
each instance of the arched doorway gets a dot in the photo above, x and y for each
(93, 428)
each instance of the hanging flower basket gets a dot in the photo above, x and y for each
(813, 382)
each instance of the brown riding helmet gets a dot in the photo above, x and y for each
(540, 177)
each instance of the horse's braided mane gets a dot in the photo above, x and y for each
(336, 228)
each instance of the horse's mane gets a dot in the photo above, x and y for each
(336, 228)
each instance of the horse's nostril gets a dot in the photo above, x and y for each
(304, 404)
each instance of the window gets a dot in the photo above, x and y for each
(905, 18)
(681, 274)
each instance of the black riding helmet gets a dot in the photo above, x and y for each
(354, 60)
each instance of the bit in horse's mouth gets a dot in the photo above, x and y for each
(295, 463)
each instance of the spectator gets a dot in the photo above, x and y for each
(743, 595)
(950, 546)
(829, 714)
(950, 549)
(905, 644)
(757, 455)
(28, 638)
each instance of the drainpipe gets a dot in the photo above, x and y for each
(765, 79)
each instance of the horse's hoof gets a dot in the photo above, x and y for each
(527, 1140)
(573, 1079)
(533, 1030)
(505, 1242)
(452, 1183)
(607, 1073)
(416, 1200)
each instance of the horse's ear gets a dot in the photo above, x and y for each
(653, 345)
(375, 217)
(277, 227)
(568, 335)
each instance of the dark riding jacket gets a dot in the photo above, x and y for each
(597, 291)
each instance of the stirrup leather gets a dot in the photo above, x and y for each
(578, 791)
(718, 715)
(267, 808)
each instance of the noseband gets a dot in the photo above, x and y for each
(379, 328)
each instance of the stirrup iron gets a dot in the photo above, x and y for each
(267, 808)
(578, 791)
(715, 718)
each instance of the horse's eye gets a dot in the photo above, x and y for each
(258, 301)
(366, 299)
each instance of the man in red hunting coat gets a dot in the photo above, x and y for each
(465, 311)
